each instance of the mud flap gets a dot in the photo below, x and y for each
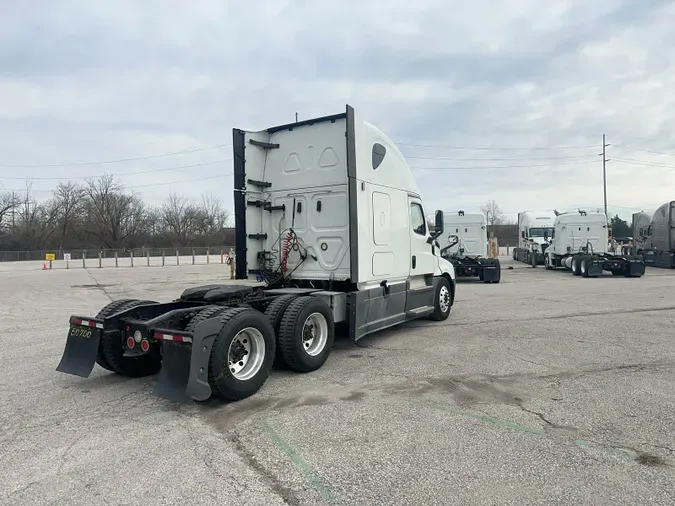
(79, 355)
(173, 376)
(490, 272)
(185, 369)
(636, 268)
(594, 268)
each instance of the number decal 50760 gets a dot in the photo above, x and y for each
(82, 332)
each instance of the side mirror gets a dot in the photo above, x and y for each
(522, 234)
(439, 225)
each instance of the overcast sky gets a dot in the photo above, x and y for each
(537, 83)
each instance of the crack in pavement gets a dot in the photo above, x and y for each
(285, 493)
(99, 286)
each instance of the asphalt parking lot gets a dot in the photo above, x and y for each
(543, 389)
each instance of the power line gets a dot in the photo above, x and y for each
(492, 148)
(643, 150)
(75, 164)
(501, 166)
(144, 185)
(642, 162)
(151, 171)
(496, 159)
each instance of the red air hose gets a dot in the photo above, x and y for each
(286, 245)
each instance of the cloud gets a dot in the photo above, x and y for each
(83, 81)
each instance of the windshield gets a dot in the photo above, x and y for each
(541, 232)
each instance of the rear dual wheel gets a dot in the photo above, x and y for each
(575, 265)
(111, 348)
(306, 334)
(242, 353)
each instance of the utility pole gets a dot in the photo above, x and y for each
(604, 172)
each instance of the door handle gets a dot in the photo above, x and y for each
(414, 261)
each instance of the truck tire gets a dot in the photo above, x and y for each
(306, 334)
(583, 266)
(499, 271)
(575, 265)
(442, 297)
(547, 263)
(274, 312)
(205, 314)
(112, 350)
(242, 354)
(111, 308)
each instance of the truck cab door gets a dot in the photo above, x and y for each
(422, 260)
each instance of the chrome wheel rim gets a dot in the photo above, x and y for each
(314, 334)
(246, 353)
(444, 299)
(583, 267)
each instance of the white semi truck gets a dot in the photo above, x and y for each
(534, 231)
(579, 243)
(464, 242)
(329, 219)
(656, 240)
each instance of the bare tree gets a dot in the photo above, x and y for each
(8, 205)
(103, 214)
(493, 213)
(181, 219)
(35, 222)
(214, 215)
(67, 207)
(112, 215)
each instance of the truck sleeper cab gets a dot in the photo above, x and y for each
(464, 243)
(330, 223)
(534, 231)
(579, 244)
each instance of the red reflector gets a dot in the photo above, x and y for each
(145, 345)
(127, 328)
(170, 337)
(130, 342)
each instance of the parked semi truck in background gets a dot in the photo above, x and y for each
(534, 231)
(656, 245)
(579, 243)
(464, 242)
(330, 221)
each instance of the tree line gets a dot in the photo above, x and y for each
(495, 217)
(102, 213)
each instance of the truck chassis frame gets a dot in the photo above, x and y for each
(524, 255)
(592, 265)
(190, 341)
(656, 258)
(488, 270)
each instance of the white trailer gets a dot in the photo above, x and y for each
(464, 242)
(579, 243)
(329, 220)
(534, 231)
